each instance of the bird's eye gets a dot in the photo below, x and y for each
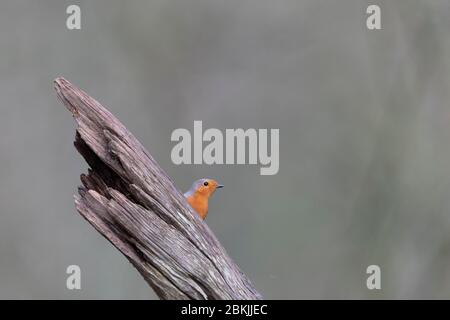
(205, 183)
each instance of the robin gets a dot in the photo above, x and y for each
(197, 196)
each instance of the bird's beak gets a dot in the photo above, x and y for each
(219, 186)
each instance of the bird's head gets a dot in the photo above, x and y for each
(204, 187)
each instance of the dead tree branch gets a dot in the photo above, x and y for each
(132, 202)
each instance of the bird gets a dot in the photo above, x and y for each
(197, 196)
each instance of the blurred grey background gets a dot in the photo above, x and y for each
(364, 121)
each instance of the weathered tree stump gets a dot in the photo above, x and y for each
(133, 203)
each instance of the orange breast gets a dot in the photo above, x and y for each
(199, 203)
